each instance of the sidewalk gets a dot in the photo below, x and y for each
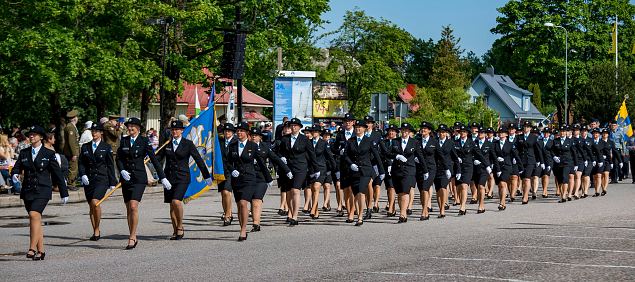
(10, 200)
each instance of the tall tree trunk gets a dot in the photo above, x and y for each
(146, 98)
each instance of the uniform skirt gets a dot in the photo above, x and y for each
(388, 182)
(320, 179)
(360, 184)
(514, 170)
(176, 193)
(245, 192)
(466, 176)
(588, 169)
(480, 177)
(529, 171)
(36, 205)
(224, 186)
(424, 185)
(506, 173)
(95, 192)
(538, 171)
(283, 183)
(132, 192)
(441, 181)
(545, 172)
(562, 174)
(261, 190)
(298, 181)
(403, 184)
(329, 178)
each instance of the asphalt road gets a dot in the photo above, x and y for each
(586, 240)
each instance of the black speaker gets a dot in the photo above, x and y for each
(233, 63)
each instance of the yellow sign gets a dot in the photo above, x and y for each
(329, 108)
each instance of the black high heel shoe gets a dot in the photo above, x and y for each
(391, 214)
(282, 212)
(402, 219)
(524, 203)
(255, 228)
(40, 257)
(375, 209)
(240, 238)
(422, 218)
(348, 220)
(480, 211)
(340, 213)
(30, 255)
(359, 223)
(501, 207)
(441, 216)
(95, 237)
(130, 247)
(306, 211)
(180, 236)
(408, 211)
(462, 212)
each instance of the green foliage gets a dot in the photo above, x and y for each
(448, 70)
(536, 99)
(600, 100)
(369, 55)
(420, 62)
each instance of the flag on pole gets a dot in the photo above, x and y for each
(624, 121)
(202, 131)
(229, 114)
(197, 104)
(613, 39)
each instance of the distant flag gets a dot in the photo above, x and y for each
(229, 114)
(197, 104)
(623, 120)
(613, 39)
(202, 131)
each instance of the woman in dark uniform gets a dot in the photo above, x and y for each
(242, 157)
(177, 163)
(610, 154)
(426, 167)
(546, 143)
(359, 151)
(40, 172)
(130, 160)
(588, 161)
(444, 161)
(516, 163)
(482, 167)
(599, 150)
(391, 135)
(330, 174)
(97, 169)
(283, 180)
(563, 162)
(324, 161)
(261, 189)
(465, 150)
(505, 154)
(403, 152)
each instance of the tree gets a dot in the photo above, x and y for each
(448, 70)
(420, 62)
(536, 99)
(372, 56)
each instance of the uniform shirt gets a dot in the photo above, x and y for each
(442, 141)
(480, 143)
(424, 141)
(95, 145)
(404, 143)
(35, 151)
(175, 143)
(359, 139)
(348, 134)
(293, 139)
(502, 142)
(241, 146)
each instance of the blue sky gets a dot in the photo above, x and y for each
(471, 19)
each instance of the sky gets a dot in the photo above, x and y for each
(470, 19)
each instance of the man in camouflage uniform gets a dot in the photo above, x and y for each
(112, 134)
(71, 145)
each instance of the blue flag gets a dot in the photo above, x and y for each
(202, 131)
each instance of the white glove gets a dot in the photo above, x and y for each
(514, 161)
(255, 162)
(235, 173)
(601, 164)
(586, 163)
(328, 173)
(316, 175)
(382, 176)
(16, 178)
(401, 158)
(611, 166)
(290, 175)
(426, 175)
(65, 200)
(85, 181)
(604, 157)
(498, 174)
(448, 174)
(542, 166)
(416, 160)
(621, 165)
(460, 160)
(269, 184)
(337, 175)
(575, 168)
(458, 176)
(284, 160)
(477, 162)
(537, 164)
(594, 163)
(111, 187)
(376, 169)
(209, 181)
(389, 170)
(125, 175)
(556, 159)
(489, 170)
(500, 159)
(354, 167)
(342, 152)
(166, 184)
(548, 167)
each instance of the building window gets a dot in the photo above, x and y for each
(526, 104)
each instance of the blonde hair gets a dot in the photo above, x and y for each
(4, 140)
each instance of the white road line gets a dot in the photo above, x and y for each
(566, 248)
(447, 275)
(538, 262)
(582, 237)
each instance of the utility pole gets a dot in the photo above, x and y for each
(239, 81)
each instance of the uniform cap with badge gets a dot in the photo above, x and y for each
(133, 121)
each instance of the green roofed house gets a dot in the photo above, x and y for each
(501, 94)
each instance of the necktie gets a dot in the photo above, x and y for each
(131, 141)
(462, 143)
(175, 143)
(367, 134)
(404, 142)
(480, 142)
(242, 145)
(502, 144)
(33, 151)
(596, 142)
(359, 140)
(424, 143)
(294, 138)
(442, 141)
(94, 146)
(314, 143)
(561, 141)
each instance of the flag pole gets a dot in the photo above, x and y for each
(616, 55)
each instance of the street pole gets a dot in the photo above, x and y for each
(566, 70)
(239, 81)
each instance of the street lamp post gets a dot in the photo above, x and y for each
(566, 69)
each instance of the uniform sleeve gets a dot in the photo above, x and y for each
(120, 165)
(81, 167)
(110, 165)
(57, 176)
(262, 166)
(330, 160)
(153, 159)
(199, 160)
(375, 153)
(275, 159)
(17, 167)
(310, 152)
(538, 152)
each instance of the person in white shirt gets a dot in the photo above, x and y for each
(86, 134)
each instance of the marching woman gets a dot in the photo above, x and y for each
(444, 162)
(466, 153)
(563, 162)
(599, 150)
(261, 189)
(588, 161)
(324, 161)
(426, 168)
(516, 164)
(330, 174)
(283, 180)
(578, 160)
(343, 175)
(374, 193)
(177, 164)
(296, 151)
(505, 156)
(546, 143)
(225, 187)
(97, 169)
(40, 172)
(130, 160)
(530, 154)
(404, 151)
(482, 167)
(391, 135)
(612, 158)
(358, 153)
(242, 159)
